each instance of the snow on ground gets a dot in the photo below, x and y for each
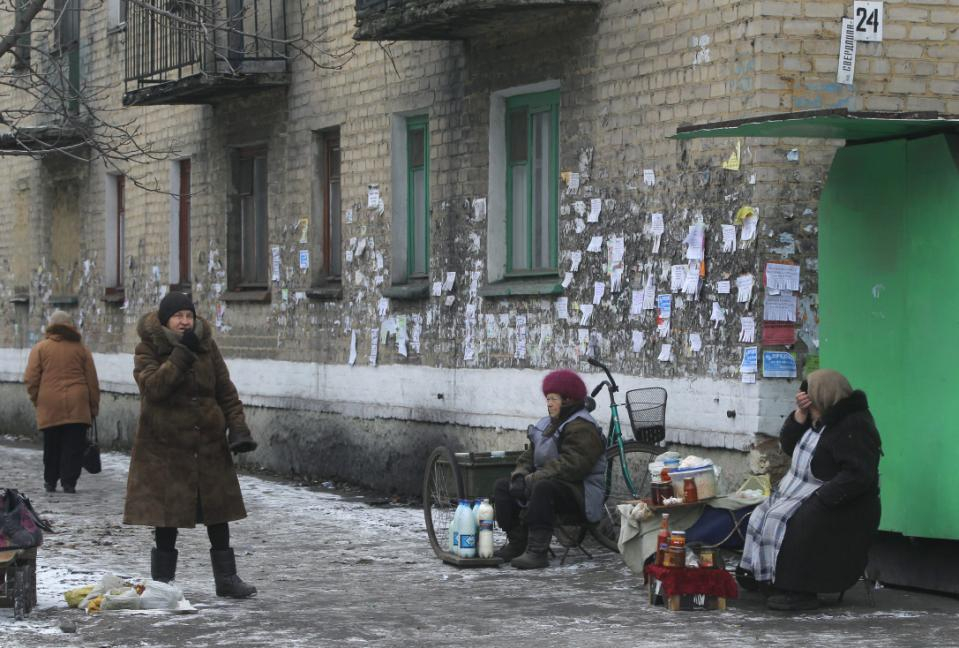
(336, 571)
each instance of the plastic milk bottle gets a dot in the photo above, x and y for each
(466, 527)
(485, 543)
(454, 529)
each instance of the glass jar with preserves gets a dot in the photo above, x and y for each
(690, 494)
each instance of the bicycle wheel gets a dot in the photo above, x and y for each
(442, 490)
(637, 456)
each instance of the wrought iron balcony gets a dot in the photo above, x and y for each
(456, 19)
(203, 51)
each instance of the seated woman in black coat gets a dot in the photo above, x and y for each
(813, 533)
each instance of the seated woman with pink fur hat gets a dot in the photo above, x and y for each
(561, 472)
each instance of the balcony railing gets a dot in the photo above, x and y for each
(193, 51)
(456, 19)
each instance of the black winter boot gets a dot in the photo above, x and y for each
(537, 548)
(515, 543)
(224, 573)
(163, 565)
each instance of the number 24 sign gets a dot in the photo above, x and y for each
(867, 18)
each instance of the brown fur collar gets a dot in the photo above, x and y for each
(163, 339)
(63, 332)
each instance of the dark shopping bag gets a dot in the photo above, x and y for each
(718, 527)
(91, 454)
(20, 526)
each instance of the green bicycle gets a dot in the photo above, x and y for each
(627, 461)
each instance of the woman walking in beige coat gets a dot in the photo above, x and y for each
(62, 383)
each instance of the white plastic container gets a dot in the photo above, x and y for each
(467, 531)
(454, 536)
(703, 476)
(484, 546)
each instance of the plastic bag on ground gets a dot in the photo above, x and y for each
(125, 598)
(107, 583)
(76, 595)
(160, 596)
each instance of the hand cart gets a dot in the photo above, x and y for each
(451, 477)
(18, 580)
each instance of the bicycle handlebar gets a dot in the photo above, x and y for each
(613, 387)
(598, 388)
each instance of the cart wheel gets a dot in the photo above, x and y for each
(21, 603)
(442, 490)
(638, 456)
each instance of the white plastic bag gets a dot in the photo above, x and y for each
(160, 596)
(107, 583)
(121, 599)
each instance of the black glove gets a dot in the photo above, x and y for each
(517, 487)
(190, 341)
(240, 441)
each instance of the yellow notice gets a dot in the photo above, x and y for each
(743, 213)
(732, 162)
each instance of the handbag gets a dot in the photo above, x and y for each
(91, 453)
(20, 526)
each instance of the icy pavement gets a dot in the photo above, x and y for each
(336, 571)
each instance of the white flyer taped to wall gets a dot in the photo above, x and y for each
(352, 359)
(562, 308)
(275, 251)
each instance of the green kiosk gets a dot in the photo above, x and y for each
(888, 255)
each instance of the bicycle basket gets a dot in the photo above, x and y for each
(647, 414)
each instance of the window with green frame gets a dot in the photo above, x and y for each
(418, 196)
(532, 182)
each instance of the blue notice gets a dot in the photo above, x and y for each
(750, 363)
(665, 305)
(779, 364)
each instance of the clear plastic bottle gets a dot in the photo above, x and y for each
(484, 545)
(455, 528)
(467, 531)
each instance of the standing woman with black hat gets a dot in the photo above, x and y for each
(561, 472)
(181, 471)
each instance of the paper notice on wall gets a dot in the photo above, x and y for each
(349, 257)
(779, 364)
(722, 287)
(469, 314)
(360, 248)
(572, 185)
(579, 225)
(649, 293)
(616, 280)
(599, 288)
(595, 207)
(780, 308)
(275, 252)
(749, 378)
(656, 228)
(750, 363)
(749, 228)
(696, 242)
(437, 288)
(636, 303)
(448, 282)
(747, 329)
(383, 306)
(677, 277)
(304, 259)
(401, 335)
(695, 342)
(847, 52)
(586, 312)
(617, 249)
(639, 341)
(744, 288)
(352, 360)
(567, 279)
(303, 225)
(718, 315)
(582, 340)
(562, 308)
(520, 337)
(374, 345)
(729, 238)
(579, 207)
(779, 333)
(662, 328)
(372, 196)
(664, 306)
(379, 261)
(595, 244)
(732, 162)
(691, 283)
(417, 332)
(649, 177)
(665, 353)
(349, 216)
(782, 276)
(469, 350)
(450, 299)
(575, 258)
(479, 209)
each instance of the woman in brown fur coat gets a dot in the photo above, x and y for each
(181, 471)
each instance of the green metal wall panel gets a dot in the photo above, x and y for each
(888, 259)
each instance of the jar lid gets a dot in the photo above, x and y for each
(681, 534)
